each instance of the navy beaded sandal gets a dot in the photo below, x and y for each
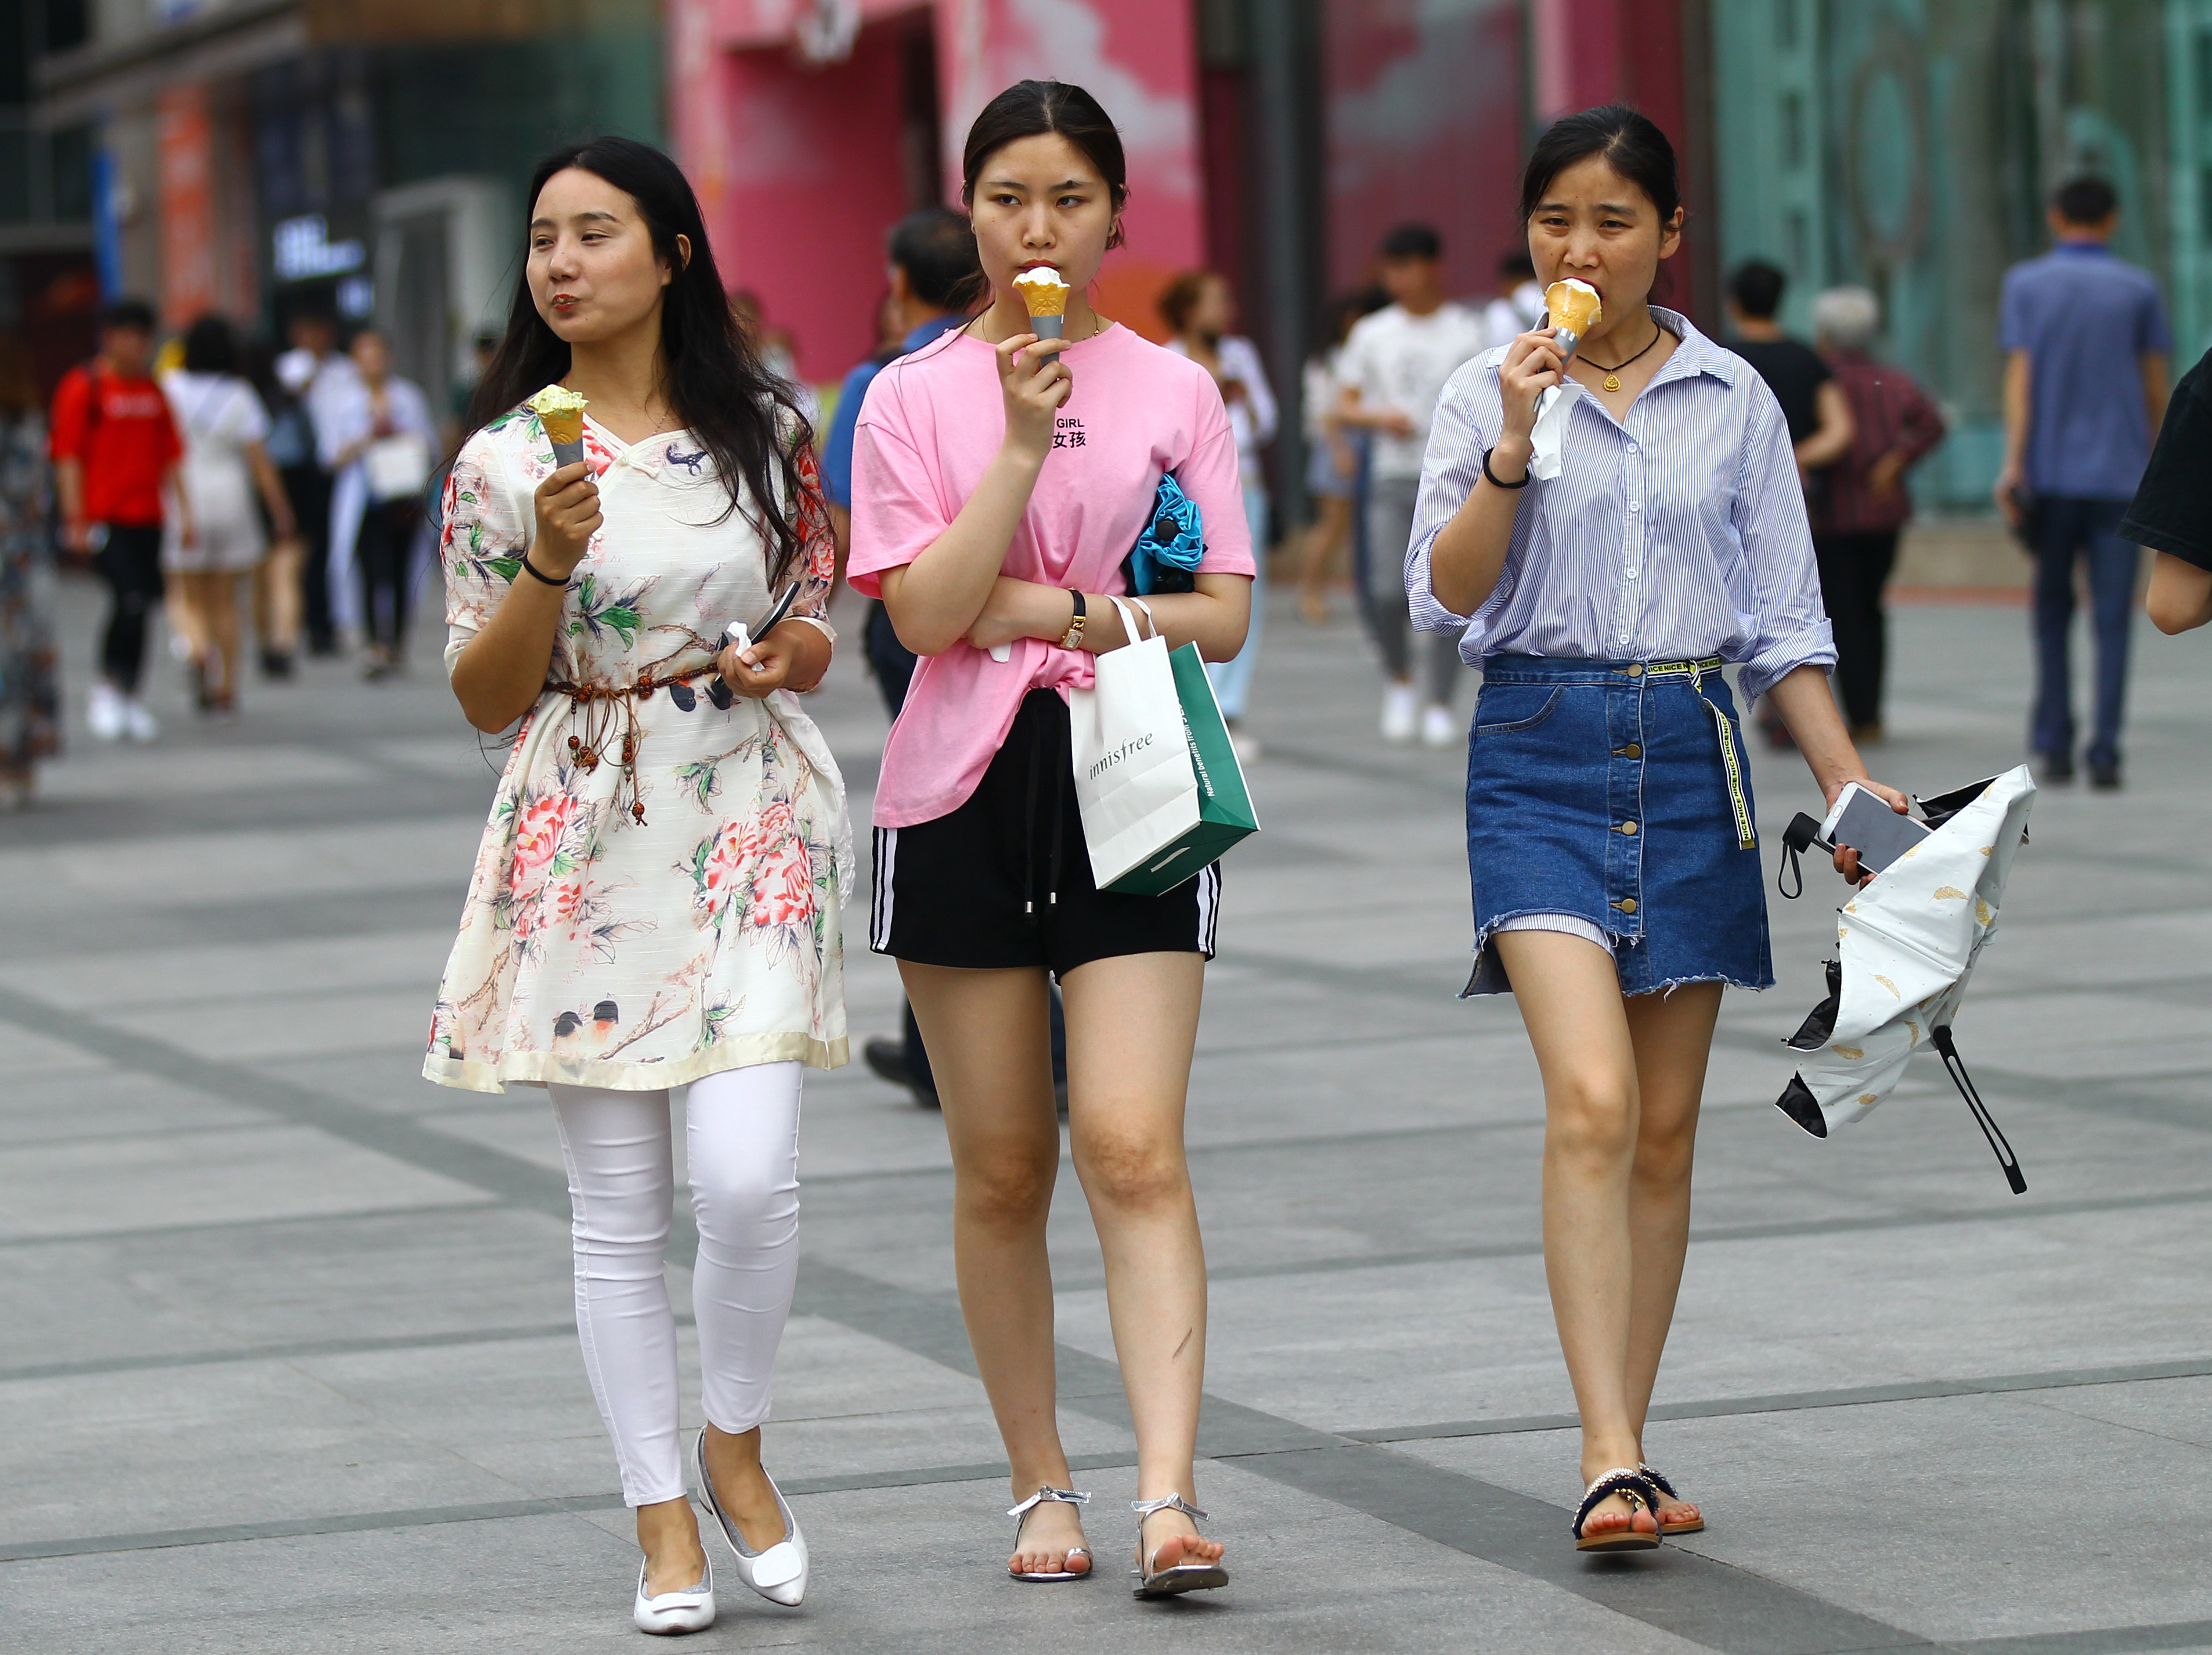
(1653, 1475)
(1635, 1488)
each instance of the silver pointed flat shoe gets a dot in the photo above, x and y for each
(1020, 1515)
(1179, 1577)
(780, 1573)
(691, 1609)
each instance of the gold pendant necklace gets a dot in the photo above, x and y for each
(1611, 380)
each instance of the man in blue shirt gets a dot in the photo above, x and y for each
(934, 277)
(2085, 339)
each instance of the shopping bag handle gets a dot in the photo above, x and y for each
(1129, 627)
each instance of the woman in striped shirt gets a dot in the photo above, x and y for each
(1611, 835)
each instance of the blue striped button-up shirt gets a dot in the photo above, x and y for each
(1677, 534)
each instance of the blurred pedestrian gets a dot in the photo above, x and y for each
(1813, 404)
(115, 453)
(2172, 513)
(1862, 504)
(1519, 305)
(657, 896)
(934, 278)
(30, 664)
(1394, 367)
(318, 379)
(1612, 841)
(1201, 307)
(276, 578)
(224, 427)
(1000, 481)
(381, 443)
(2084, 338)
(1334, 453)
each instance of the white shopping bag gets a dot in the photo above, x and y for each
(1134, 779)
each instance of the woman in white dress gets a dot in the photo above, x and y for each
(658, 898)
(224, 427)
(381, 443)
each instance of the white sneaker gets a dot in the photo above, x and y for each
(104, 712)
(139, 724)
(1438, 727)
(1401, 713)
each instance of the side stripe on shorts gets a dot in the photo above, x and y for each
(1209, 907)
(884, 877)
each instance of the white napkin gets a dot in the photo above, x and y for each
(1549, 438)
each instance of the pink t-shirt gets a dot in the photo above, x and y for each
(932, 423)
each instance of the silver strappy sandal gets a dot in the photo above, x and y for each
(1181, 1577)
(1049, 1495)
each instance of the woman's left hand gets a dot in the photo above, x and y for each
(1847, 859)
(772, 664)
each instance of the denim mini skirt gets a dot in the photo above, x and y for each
(1616, 793)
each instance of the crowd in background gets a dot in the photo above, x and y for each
(264, 505)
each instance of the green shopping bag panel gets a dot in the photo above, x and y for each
(1226, 816)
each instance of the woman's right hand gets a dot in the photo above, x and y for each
(568, 517)
(1533, 363)
(1036, 387)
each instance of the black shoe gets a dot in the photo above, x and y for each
(887, 1058)
(2105, 775)
(276, 664)
(2057, 767)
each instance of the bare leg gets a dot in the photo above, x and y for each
(276, 598)
(1332, 524)
(187, 607)
(1570, 1003)
(668, 1535)
(1672, 1036)
(988, 1035)
(1131, 1023)
(223, 634)
(734, 1460)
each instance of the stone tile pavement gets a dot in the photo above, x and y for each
(285, 1356)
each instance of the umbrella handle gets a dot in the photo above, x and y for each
(1964, 1082)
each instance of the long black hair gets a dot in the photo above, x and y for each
(1632, 143)
(741, 414)
(1031, 109)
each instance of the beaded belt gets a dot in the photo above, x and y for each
(603, 704)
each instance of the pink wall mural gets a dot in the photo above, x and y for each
(1424, 122)
(803, 166)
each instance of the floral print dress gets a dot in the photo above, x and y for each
(637, 927)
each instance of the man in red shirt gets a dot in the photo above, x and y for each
(115, 453)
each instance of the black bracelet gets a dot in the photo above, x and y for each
(551, 579)
(1496, 480)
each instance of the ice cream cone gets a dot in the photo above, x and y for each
(1574, 309)
(561, 411)
(1045, 297)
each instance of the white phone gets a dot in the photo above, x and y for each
(1866, 823)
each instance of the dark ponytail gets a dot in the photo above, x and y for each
(1031, 109)
(1632, 143)
(744, 416)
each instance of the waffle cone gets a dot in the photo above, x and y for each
(1573, 306)
(1046, 301)
(564, 427)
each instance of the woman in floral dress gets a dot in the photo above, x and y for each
(656, 900)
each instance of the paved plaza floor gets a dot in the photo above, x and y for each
(286, 1355)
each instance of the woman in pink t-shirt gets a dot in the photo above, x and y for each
(998, 482)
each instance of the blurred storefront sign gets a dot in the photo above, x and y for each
(804, 157)
(185, 138)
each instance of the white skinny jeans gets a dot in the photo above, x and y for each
(742, 1148)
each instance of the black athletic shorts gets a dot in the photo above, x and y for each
(1004, 880)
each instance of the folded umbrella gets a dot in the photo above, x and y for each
(1906, 945)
